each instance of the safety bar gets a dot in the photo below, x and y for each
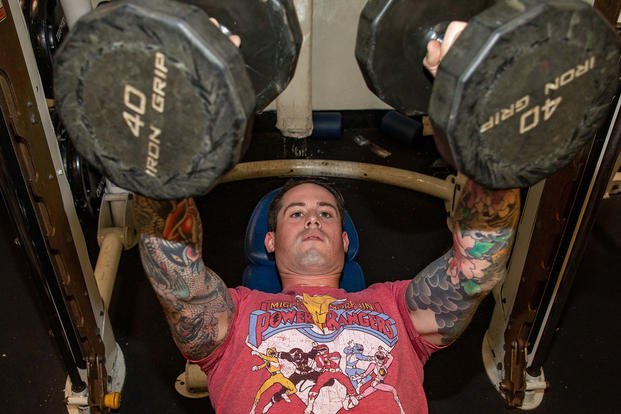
(412, 180)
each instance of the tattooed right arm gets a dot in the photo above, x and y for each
(196, 302)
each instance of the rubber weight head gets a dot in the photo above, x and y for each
(523, 88)
(392, 42)
(154, 96)
(271, 40)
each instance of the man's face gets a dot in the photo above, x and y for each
(309, 238)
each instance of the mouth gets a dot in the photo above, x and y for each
(311, 237)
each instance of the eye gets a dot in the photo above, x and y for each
(296, 214)
(326, 214)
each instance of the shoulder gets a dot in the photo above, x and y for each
(390, 287)
(241, 293)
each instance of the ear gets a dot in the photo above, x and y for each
(345, 241)
(269, 242)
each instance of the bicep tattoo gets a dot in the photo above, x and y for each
(195, 300)
(453, 286)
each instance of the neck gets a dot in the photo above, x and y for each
(290, 280)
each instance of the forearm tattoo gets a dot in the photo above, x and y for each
(195, 300)
(453, 286)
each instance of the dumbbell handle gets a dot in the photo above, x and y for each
(435, 32)
(446, 33)
(224, 30)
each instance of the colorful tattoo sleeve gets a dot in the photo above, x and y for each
(453, 286)
(195, 300)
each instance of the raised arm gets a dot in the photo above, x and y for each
(443, 297)
(196, 302)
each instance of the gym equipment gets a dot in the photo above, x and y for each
(47, 27)
(159, 100)
(402, 128)
(87, 185)
(327, 125)
(271, 40)
(523, 88)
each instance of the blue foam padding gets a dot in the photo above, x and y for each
(327, 125)
(400, 127)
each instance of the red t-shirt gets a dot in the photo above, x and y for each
(349, 351)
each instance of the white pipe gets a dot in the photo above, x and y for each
(74, 9)
(111, 245)
(79, 400)
(537, 385)
(294, 107)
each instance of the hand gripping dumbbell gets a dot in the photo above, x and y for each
(156, 97)
(524, 87)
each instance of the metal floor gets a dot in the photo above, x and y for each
(581, 368)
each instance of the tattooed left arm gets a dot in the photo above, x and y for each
(444, 296)
(196, 302)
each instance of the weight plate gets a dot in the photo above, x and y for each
(47, 26)
(523, 88)
(271, 40)
(87, 185)
(392, 42)
(154, 96)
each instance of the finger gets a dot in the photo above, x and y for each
(433, 56)
(453, 31)
(235, 39)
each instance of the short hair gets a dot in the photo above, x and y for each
(276, 203)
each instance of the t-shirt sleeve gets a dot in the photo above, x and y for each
(422, 347)
(208, 363)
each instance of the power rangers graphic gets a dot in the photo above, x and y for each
(354, 353)
(328, 363)
(273, 367)
(297, 344)
(304, 376)
(379, 367)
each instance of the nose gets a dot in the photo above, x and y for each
(312, 220)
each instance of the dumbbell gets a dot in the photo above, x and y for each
(521, 91)
(159, 100)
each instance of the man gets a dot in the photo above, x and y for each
(224, 330)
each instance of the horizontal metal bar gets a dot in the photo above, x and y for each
(344, 169)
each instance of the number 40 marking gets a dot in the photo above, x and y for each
(136, 102)
(530, 119)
